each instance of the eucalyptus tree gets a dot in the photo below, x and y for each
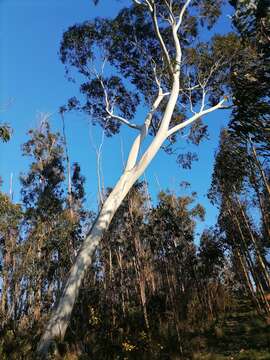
(250, 86)
(147, 283)
(250, 77)
(123, 273)
(170, 232)
(42, 198)
(10, 221)
(211, 276)
(157, 59)
(237, 191)
(53, 220)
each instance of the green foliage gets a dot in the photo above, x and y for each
(230, 168)
(5, 133)
(42, 185)
(10, 214)
(134, 57)
(152, 292)
(148, 253)
(250, 117)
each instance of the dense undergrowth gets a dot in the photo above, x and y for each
(239, 335)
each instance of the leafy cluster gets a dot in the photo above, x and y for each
(134, 62)
(5, 133)
(250, 80)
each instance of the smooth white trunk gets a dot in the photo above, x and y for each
(59, 320)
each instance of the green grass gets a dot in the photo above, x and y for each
(241, 335)
(243, 355)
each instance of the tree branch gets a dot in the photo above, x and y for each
(110, 112)
(169, 7)
(133, 155)
(195, 117)
(160, 38)
(182, 12)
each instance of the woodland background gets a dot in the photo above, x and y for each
(154, 291)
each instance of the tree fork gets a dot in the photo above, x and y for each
(59, 320)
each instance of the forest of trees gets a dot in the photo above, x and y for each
(145, 286)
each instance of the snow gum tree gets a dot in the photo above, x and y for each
(151, 56)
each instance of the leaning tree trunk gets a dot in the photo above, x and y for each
(58, 323)
(59, 320)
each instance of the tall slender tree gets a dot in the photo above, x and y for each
(10, 222)
(237, 191)
(158, 59)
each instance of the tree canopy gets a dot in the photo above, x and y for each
(136, 277)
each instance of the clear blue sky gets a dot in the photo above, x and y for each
(33, 81)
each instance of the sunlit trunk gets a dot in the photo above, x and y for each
(59, 320)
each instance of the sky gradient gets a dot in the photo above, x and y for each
(33, 81)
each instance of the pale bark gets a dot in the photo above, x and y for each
(59, 320)
(58, 323)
